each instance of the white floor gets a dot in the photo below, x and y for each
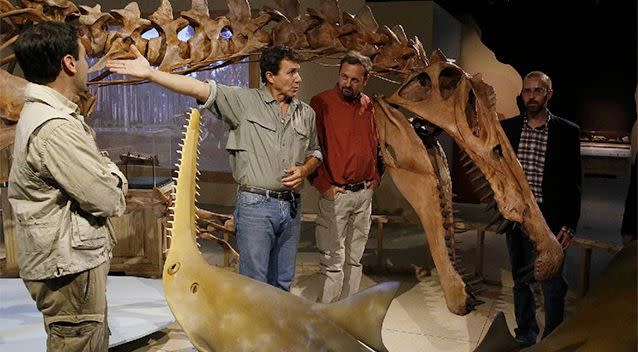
(136, 308)
(418, 319)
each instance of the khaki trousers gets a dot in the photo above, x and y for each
(74, 310)
(342, 231)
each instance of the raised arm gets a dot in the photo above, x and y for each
(140, 68)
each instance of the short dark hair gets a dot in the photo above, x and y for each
(355, 58)
(542, 76)
(271, 59)
(41, 47)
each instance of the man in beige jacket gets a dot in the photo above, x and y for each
(62, 191)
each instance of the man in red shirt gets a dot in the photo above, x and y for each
(347, 178)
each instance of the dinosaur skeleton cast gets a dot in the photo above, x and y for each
(436, 94)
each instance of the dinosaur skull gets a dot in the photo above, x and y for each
(463, 106)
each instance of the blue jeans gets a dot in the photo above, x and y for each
(267, 238)
(522, 253)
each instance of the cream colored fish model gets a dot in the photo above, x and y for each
(222, 311)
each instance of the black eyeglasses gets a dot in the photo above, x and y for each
(534, 91)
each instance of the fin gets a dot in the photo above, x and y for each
(498, 337)
(369, 307)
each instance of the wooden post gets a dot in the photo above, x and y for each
(585, 266)
(226, 252)
(586, 248)
(380, 259)
(480, 251)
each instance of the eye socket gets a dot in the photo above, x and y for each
(174, 268)
(418, 88)
(449, 79)
(471, 114)
(226, 33)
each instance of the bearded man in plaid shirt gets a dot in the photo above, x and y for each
(548, 148)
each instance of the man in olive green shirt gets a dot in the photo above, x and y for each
(62, 191)
(272, 145)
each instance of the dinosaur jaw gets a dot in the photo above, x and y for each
(421, 174)
(445, 96)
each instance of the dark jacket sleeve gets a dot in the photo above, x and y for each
(573, 177)
(512, 128)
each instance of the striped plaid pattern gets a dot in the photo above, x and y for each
(531, 154)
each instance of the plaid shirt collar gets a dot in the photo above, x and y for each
(539, 128)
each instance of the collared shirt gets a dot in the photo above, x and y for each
(262, 142)
(348, 138)
(61, 189)
(531, 154)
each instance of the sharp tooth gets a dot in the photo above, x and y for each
(467, 163)
(481, 187)
(476, 178)
(505, 224)
(496, 218)
(491, 205)
(472, 169)
(487, 197)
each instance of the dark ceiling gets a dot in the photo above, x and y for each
(587, 47)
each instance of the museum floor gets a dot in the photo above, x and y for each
(417, 320)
